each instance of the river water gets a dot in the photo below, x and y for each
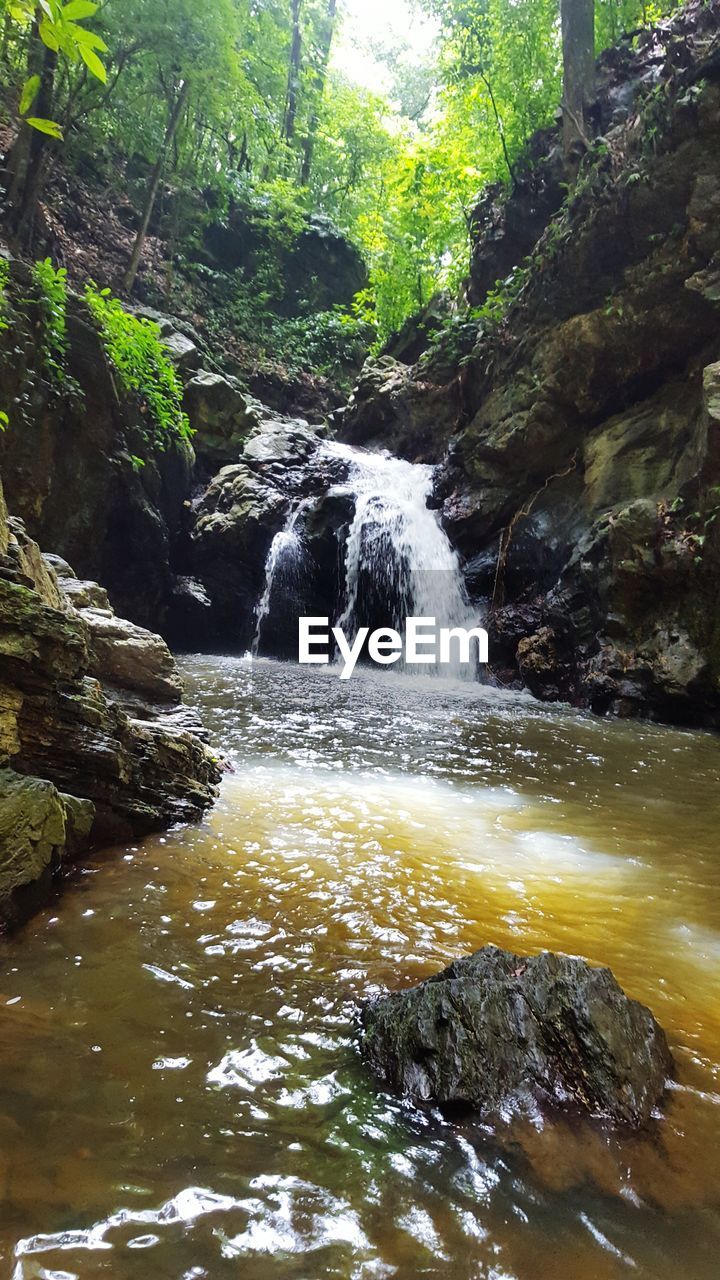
(180, 1094)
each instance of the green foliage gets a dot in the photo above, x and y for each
(59, 29)
(51, 288)
(398, 172)
(135, 350)
(327, 343)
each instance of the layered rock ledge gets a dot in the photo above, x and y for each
(499, 1033)
(95, 744)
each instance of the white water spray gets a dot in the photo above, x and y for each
(282, 567)
(398, 560)
(396, 543)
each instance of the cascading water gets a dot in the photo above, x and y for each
(283, 569)
(396, 549)
(398, 562)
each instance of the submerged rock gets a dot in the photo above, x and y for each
(497, 1032)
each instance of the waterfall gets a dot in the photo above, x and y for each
(397, 560)
(283, 569)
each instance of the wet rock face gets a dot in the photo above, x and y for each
(222, 416)
(391, 408)
(581, 473)
(234, 521)
(38, 827)
(497, 1033)
(95, 745)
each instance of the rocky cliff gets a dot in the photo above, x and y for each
(95, 744)
(576, 413)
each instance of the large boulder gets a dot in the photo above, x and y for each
(393, 407)
(317, 266)
(221, 415)
(497, 1032)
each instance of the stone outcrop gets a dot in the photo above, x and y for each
(222, 415)
(578, 438)
(95, 744)
(39, 827)
(318, 268)
(67, 463)
(234, 521)
(391, 408)
(497, 1033)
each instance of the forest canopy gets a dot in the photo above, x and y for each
(245, 101)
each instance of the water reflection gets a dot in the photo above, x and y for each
(179, 1090)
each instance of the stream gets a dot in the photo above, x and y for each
(180, 1093)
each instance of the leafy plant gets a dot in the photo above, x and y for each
(135, 350)
(51, 285)
(60, 30)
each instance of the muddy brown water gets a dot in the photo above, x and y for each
(180, 1095)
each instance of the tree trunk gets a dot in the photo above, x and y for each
(172, 124)
(25, 192)
(293, 86)
(324, 46)
(578, 37)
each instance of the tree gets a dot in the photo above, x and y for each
(578, 41)
(186, 56)
(176, 110)
(293, 82)
(324, 46)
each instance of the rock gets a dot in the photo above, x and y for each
(497, 1033)
(84, 719)
(67, 461)
(409, 342)
(317, 270)
(392, 409)
(234, 523)
(85, 595)
(131, 657)
(182, 351)
(60, 567)
(39, 827)
(221, 414)
(189, 619)
(582, 473)
(538, 662)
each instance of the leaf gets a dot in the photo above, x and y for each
(48, 35)
(4, 420)
(80, 35)
(29, 94)
(44, 126)
(93, 63)
(20, 14)
(78, 9)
